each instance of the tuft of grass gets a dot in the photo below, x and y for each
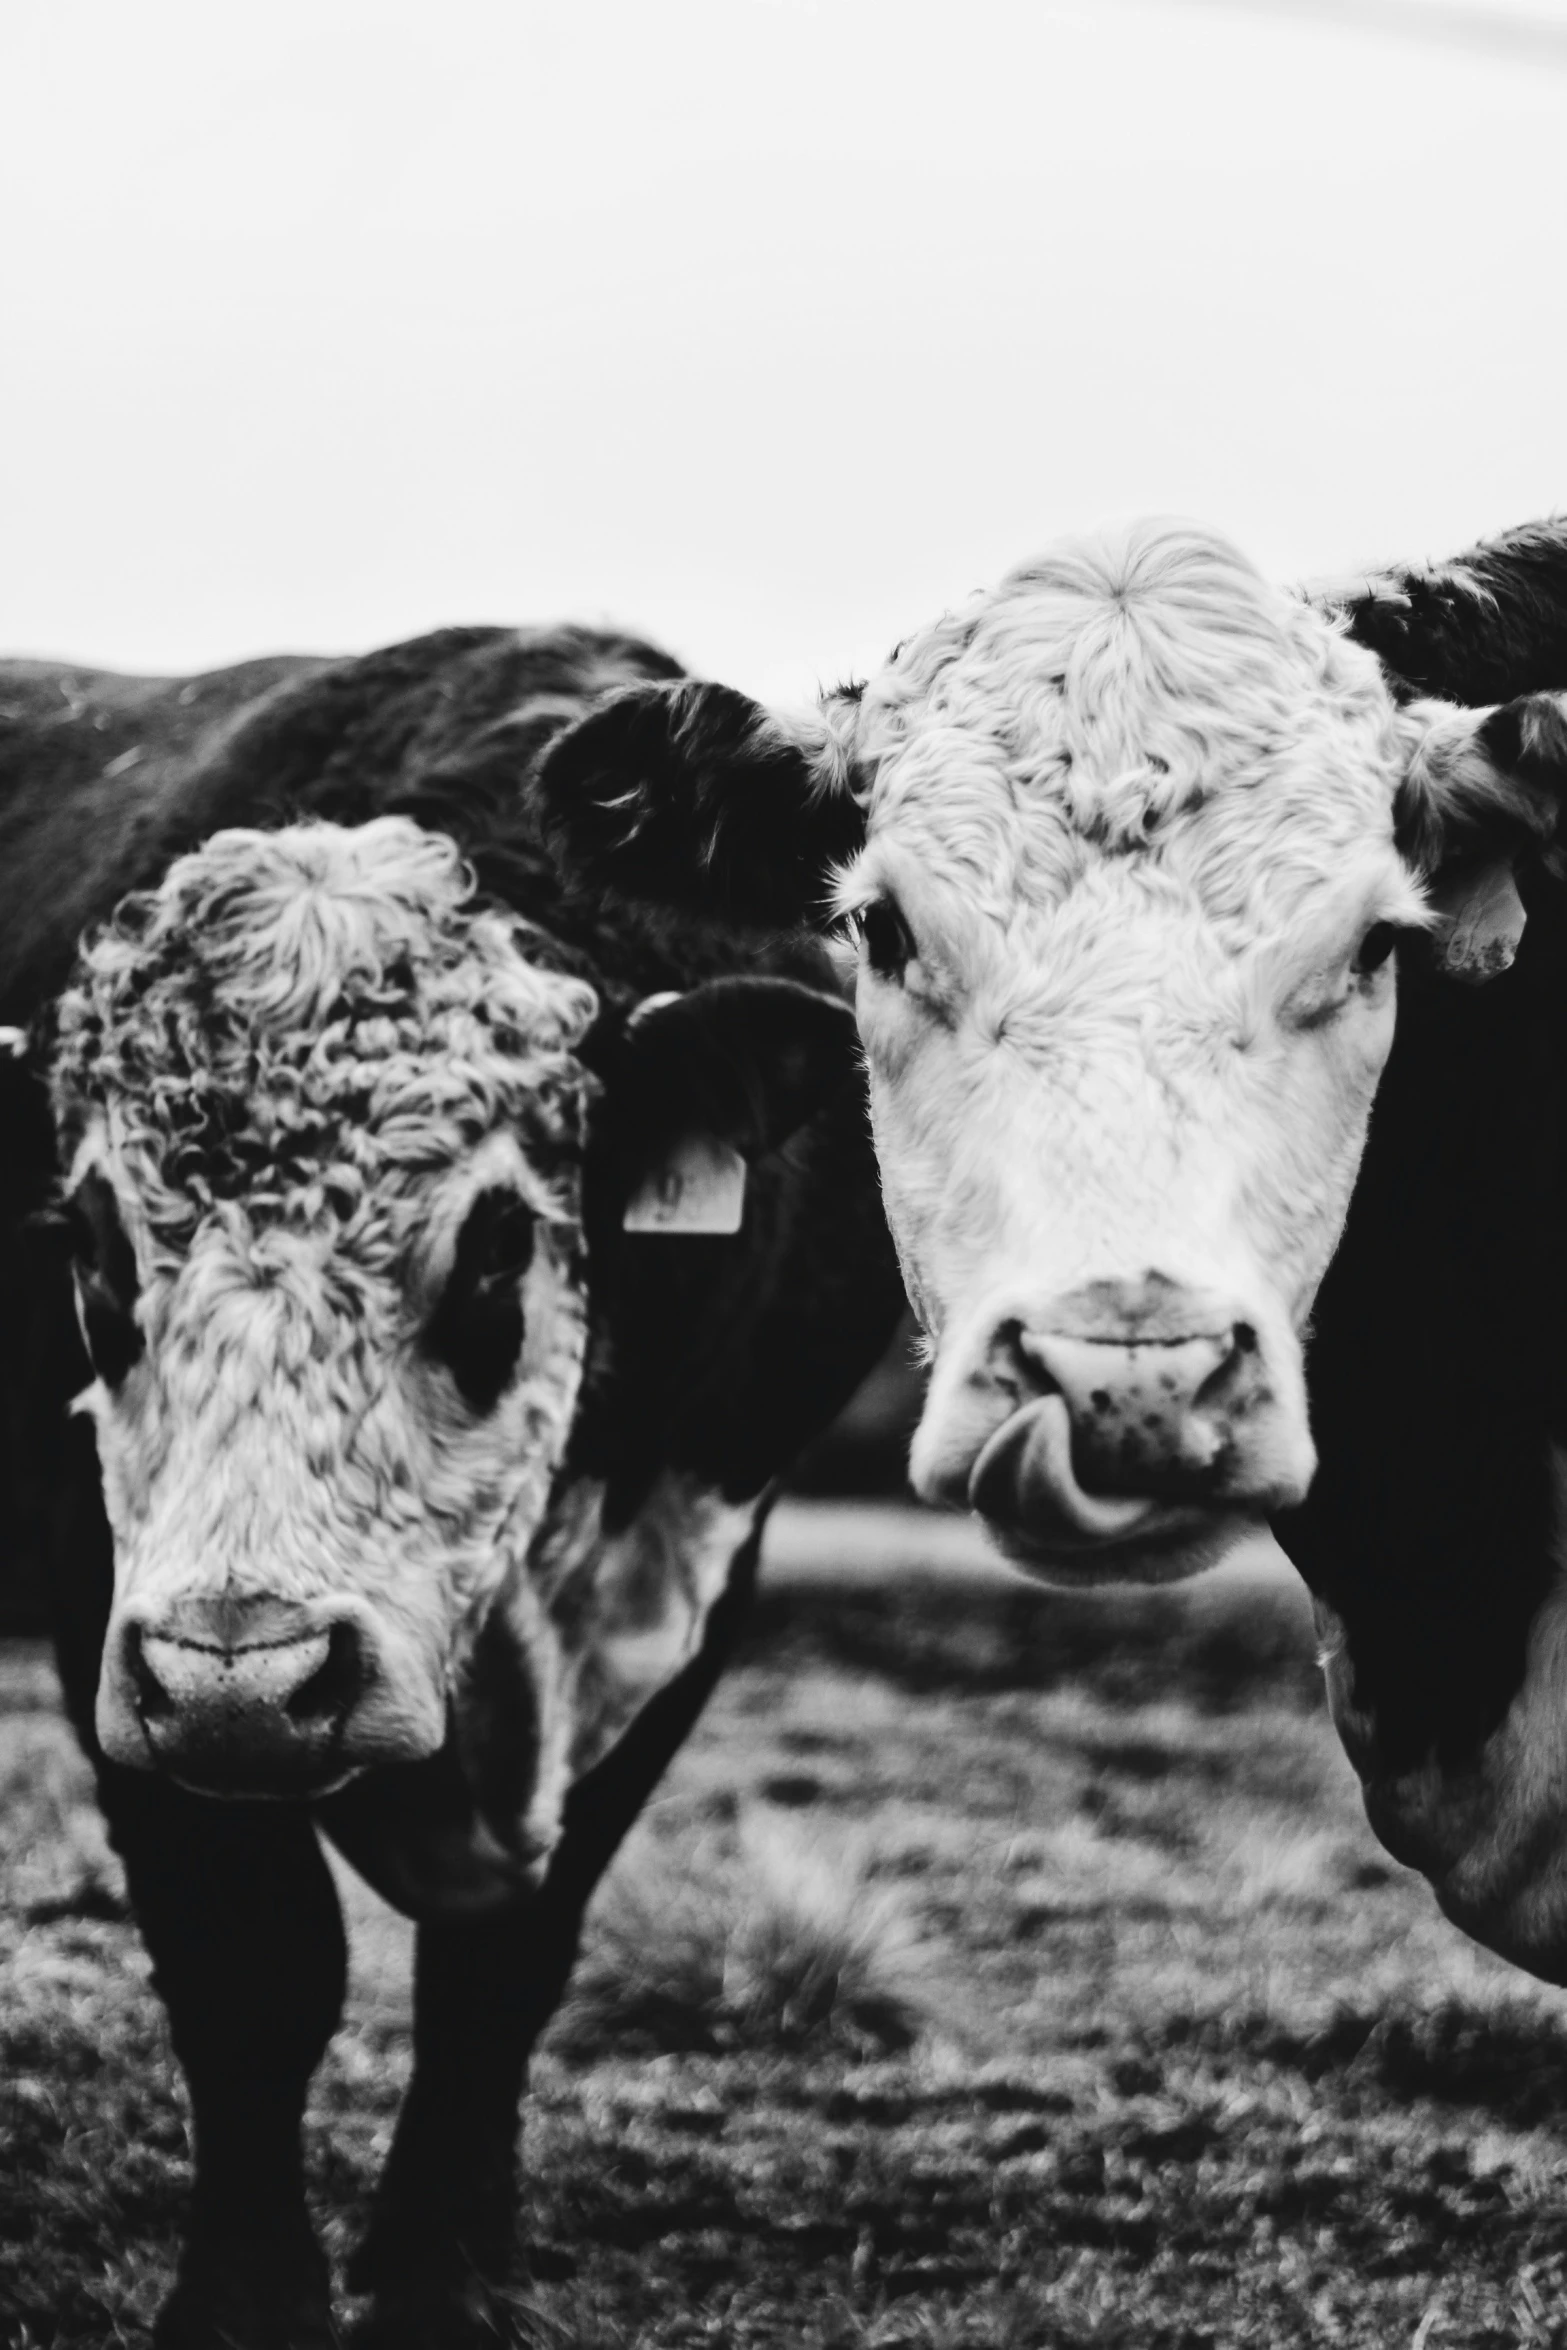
(782, 1947)
(566, 2325)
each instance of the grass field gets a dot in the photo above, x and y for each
(995, 1969)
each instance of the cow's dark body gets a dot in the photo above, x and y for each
(1436, 1363)
(684, 1373)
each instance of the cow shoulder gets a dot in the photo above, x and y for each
(1487, 1826)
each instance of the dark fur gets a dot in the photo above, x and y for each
(721, 1356)
(1453, 817)
(1487, 627)
(1436, 1366)
(690, 796)
(1528, 739)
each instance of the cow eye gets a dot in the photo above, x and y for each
(889, 942)
(495, 1245)
(106, 1281)
(477, 1328)
(1374, 949)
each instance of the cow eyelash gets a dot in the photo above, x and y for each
(107, 1283)
(1375, 949)
(887, 939)
(100, 1245)
(500, 1230)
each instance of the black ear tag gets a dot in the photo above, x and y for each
(699, 1186)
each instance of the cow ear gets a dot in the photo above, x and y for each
(698, 1085)
(692, 795)
(1481, 796)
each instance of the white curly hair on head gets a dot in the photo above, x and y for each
(1122, 676)
(292, 918)
(296, 1017)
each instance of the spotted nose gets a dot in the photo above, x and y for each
(239, 1696)
(1148, 1414)
(1087, 1415)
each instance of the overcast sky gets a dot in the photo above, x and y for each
(769, 328)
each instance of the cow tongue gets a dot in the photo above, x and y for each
(1024, 1480)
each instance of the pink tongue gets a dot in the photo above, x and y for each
(1023, 1480)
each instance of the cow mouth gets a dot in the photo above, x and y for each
(243, 1778)
(1025, 1485)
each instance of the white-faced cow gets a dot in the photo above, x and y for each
(1139, 850)
(455, 1270)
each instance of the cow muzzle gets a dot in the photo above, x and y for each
(257, 1697)
(1118, 1428)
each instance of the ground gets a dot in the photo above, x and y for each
(995, 1971)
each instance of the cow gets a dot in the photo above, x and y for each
(1211, 985)
(417, 1276)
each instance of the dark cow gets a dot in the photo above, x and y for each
(455, 1270)
(1435, 1534)
(1141, 853)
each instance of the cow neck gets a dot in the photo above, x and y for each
(1435, 1363)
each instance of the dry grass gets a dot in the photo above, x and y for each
(1060, 1997)
(784, 1947)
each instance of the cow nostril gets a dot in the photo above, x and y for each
(1017, 1365)
(1238, 1380)
(334, 1685)
(153, 1701)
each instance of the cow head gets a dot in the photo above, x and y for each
(327, 1123)
(1127, 846)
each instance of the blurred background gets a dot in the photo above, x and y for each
(769, 327)
(766, 327)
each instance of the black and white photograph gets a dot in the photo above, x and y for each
(783, 1175)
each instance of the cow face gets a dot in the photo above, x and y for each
(1125, 911)
(323, 1124)
(326, 1127)
(1138, 836)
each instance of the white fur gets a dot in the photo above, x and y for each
(371, 1050)
(630, 1607)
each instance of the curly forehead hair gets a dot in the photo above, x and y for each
(306, 1019)
(1124, 677)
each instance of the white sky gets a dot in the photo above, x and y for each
(767, 327)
